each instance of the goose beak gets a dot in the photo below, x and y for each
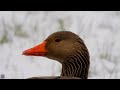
(39, 50)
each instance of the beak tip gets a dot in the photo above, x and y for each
(24, 53)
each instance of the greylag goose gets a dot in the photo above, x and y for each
(68, 49)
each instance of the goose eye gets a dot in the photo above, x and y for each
(57, 40)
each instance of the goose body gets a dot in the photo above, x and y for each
(68, 49)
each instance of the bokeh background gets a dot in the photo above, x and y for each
(20, 30)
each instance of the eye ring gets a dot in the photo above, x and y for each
(57, 40)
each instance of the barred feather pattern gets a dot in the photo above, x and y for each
(77, 65)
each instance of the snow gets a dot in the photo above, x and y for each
(99, 30)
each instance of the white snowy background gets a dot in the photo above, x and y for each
(21, 30)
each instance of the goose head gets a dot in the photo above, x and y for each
(68, 49)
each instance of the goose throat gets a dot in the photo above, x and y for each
(76, 66)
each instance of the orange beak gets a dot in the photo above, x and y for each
(39, 50)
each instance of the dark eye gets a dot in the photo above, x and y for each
(57, 40)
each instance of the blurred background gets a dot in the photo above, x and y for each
(20, 30)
